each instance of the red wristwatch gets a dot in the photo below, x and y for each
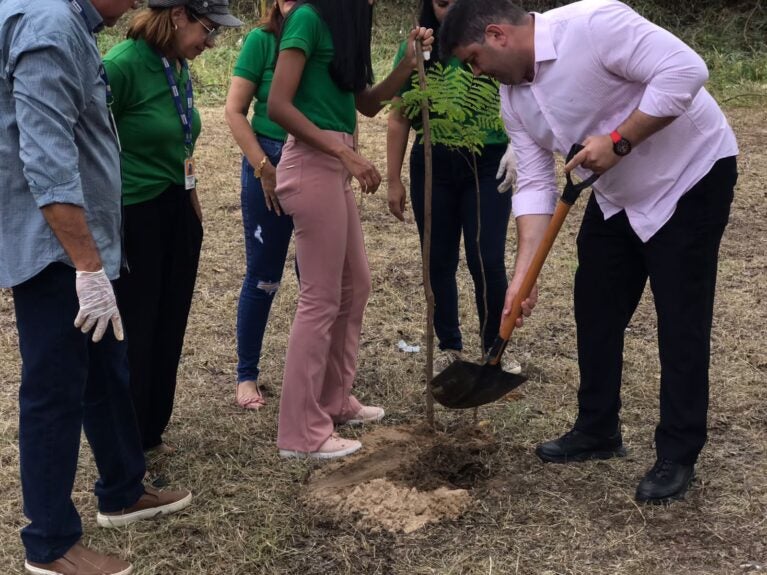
(621, 146)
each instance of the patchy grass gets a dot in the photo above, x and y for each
(251, 514)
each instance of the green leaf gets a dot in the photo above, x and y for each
(462, 108)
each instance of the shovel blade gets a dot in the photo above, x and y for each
(464, 384)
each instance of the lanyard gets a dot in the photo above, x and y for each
(187, 116)
(110, 98)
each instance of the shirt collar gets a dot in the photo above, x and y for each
(544, 45)
(93, 19)
(149, 55)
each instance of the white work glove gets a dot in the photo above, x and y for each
(507, 167)
(97, 305)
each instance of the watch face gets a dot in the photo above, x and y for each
(622, 147)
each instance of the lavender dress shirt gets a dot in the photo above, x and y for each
(596, 61)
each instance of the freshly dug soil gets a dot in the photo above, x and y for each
(404, 478)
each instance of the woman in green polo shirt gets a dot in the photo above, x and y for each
(323, 73)
(267, 229)
(158, 125)
(456, 209)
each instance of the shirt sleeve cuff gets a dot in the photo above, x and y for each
(664, 105)
(70, 192)
(245, 74)
(531, 202)
(295, 43)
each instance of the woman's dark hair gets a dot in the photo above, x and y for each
(350, 23)
(428, 19)
(272, 21)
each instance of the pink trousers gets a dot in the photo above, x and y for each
(321, 360)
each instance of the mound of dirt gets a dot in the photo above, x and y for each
(404, 478)
(382, 504)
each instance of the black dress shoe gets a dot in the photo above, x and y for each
(665, 482)
(578, 446)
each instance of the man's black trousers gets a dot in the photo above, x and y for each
(680, 261)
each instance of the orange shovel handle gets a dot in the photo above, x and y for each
(510, 321)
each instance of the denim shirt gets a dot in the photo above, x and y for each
(56, 141)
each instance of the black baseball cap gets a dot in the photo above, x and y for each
(217, 11)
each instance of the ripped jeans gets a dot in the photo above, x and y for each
(267, 237)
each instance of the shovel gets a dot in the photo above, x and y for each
(464, 384)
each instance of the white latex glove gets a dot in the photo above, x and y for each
(508, 168)
(97, 305)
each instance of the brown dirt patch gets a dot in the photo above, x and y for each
(405, 478)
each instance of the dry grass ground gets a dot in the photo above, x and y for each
(250, 515)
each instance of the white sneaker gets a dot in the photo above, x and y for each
(367, 414)
(510, 365)
(333, 447)
(445, 358)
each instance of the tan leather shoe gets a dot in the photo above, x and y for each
(155, 454)
(80, 560)
(152, 504)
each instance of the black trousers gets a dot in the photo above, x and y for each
(163, 237)
(680, 261)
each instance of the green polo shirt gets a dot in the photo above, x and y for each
(491, 136)
(256, 64)
(318, 98)
(148, 124)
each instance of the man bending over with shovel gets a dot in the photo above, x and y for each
(596, 73)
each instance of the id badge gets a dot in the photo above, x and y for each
(189, 179)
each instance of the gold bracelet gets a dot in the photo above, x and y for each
(260, 167)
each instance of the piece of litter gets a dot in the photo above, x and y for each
(426, 53)
(407, 348)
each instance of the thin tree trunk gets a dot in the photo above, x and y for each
(483, 327)
(478, 238)
(426, 252)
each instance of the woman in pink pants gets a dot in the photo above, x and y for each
(322, 77)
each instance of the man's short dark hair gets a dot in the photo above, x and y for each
(466, 21)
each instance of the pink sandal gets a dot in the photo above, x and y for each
(253, 402)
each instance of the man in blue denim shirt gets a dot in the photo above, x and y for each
(59, 249)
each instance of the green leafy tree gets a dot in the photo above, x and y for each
(457, 111)
(462, 108)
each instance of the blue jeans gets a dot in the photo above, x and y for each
(267, 237)
(454, 211)
(69, 383)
